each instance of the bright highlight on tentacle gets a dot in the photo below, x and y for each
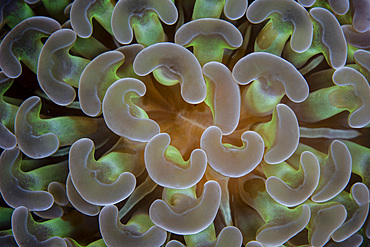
(208, 37)
(28, 33)
(104, 187)
(131, 121)
(140, 17)
(287, 18)
(97, 76)
(8, 112)
(223, 96)
(58, 81)
(269, 84)
(83, 12)
(281, 135)
(166, 166)
(328, 39)
(195, 214)
(139, 231)
(229, 160)
(293, 194)
(170, 64)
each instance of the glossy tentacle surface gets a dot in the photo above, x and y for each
(184, 123)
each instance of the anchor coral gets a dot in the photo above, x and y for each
(184, 123)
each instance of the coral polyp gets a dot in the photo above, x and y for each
(184, 123)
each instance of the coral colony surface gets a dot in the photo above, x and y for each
(184, 123)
